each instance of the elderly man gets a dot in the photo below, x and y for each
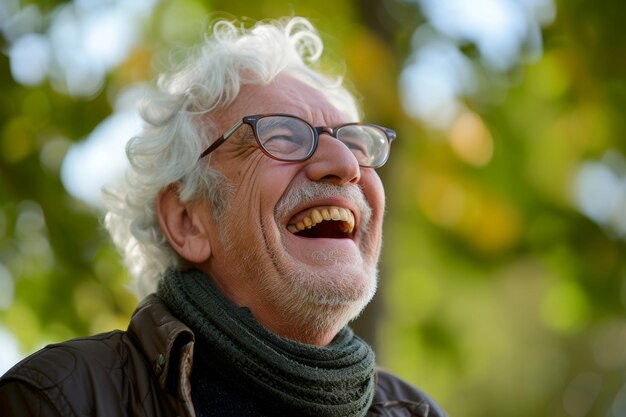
(254, 211)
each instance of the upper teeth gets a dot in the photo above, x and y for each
(327, 213)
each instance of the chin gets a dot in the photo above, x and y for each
(323, 299)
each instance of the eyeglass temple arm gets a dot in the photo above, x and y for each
(221, 140)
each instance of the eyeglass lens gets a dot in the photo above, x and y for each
(285, 137)
(367, 143)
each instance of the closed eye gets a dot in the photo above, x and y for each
(281, 141)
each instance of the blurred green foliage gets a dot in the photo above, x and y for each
(497, 295)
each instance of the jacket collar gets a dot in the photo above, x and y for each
(167, 343)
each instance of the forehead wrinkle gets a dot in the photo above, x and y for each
(286, 95)
(312, 106)
(330, 118)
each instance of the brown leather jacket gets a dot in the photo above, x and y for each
(143, 372)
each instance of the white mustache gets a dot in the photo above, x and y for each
(312, 191)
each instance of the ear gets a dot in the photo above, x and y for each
(182, 226)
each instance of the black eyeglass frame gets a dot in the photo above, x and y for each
(252, 122)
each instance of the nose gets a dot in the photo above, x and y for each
(333, 162)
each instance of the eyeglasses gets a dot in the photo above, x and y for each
(289, 138)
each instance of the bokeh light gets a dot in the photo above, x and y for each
(503, 281)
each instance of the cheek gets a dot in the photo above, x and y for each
(275, 180)
(374, 192)
(257, 193)
(245, 178)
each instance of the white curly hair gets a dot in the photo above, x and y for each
(166, 152)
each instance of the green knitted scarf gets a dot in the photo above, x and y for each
(334, 380)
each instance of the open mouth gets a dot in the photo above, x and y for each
(324, 222)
